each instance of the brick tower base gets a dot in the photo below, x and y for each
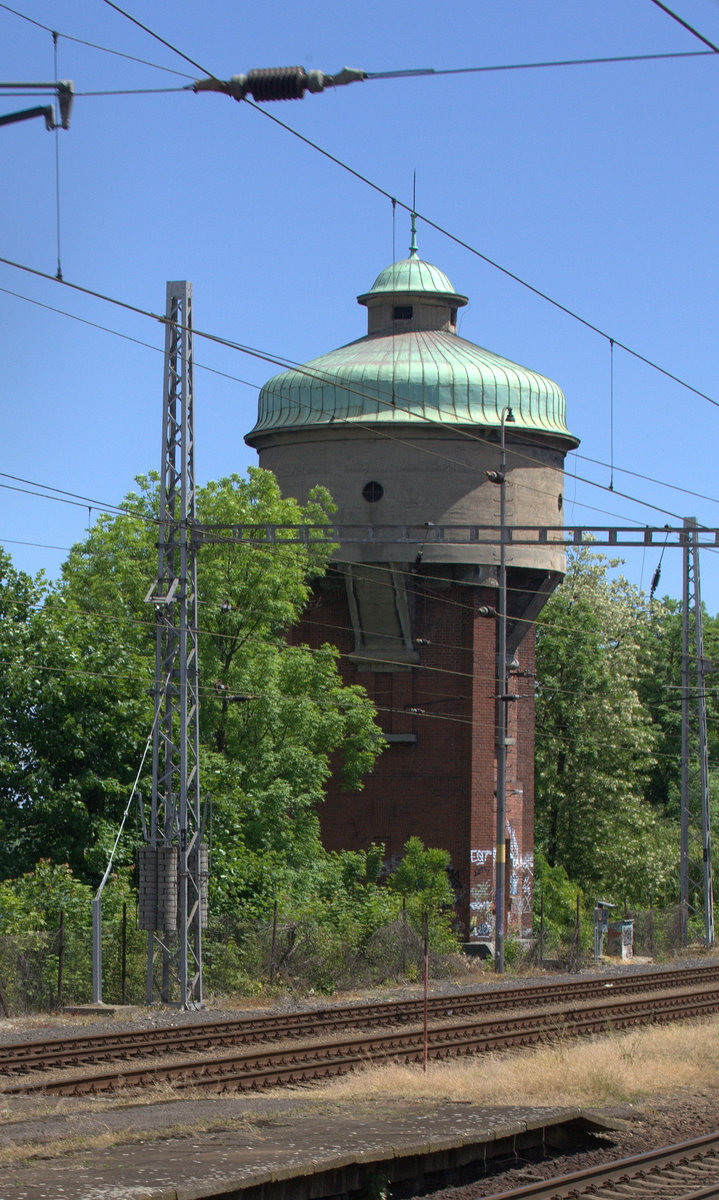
(437, 778)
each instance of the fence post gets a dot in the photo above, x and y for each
(650, 931)
(425, 931)
(123, 988)
(60, 957)
(97, 950)
(274, 942)
(541, 929)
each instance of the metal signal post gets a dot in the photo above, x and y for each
(173, 863)
(695, 858)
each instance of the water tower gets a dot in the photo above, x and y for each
(402, 426)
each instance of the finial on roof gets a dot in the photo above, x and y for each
(413, 243)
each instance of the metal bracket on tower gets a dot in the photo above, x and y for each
(173, 863)
(695, 860)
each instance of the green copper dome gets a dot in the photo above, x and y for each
(413, 275)
(411, 368)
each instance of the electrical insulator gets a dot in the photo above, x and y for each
(495, 476)
(278, 83)
(485, 610)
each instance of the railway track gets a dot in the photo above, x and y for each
(317, 1058)
(22, 1057)
(689, 1171)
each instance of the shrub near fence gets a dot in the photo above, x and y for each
(46, 944)
(657, 931)
(46, 940)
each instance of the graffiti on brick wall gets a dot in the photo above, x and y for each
(521, 876)
(520, 881)
(527, 883)
(481, 910)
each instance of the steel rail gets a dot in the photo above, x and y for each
(314, 1059)
(71, 1051)
(686, 1171)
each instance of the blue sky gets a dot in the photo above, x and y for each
(596, 184)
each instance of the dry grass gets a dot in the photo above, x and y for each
(30, 1151)
(619, 1068)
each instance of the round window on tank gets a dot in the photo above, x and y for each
(373, 491)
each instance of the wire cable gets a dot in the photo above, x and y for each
(413, 72)
(94, 45)
(124, 336)
(35, 545)
(57, 170)
(157, 37)
(134, 92)
(427, 221)
(434, 225)
(686, 25)
(484, 258)
(313, 373)
(248, 383)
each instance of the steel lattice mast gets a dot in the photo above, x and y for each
(173, 874)
(695, 861)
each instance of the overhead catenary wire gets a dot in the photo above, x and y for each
(57, 169)
(256, 387)
(133, 92)
(378, 75)
(311, 372)
(156, 36)
(250, 637)
(441, 230)
(649, 362)
(532, 66)
(94, 45)
(417, 714)
(426, 587)
(685, 24)
(432, 224)
(485, 258)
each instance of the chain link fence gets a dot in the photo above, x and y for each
(48, 969)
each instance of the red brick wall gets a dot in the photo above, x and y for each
(441, 788)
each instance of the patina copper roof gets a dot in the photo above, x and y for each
(405, 376)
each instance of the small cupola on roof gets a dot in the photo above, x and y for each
(411, 294)
(410, 368)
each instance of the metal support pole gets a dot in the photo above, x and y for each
(684, 811)
(425, 1004)
(176, 819)
(123, 961)
(97, 949)
(695, 861)
(60, 958)
(501, 684)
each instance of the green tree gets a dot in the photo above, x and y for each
(20, 597)
(421, 878)
(596, 743)
(660, 689)
(272, 713)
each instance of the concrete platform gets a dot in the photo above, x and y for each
(265, 1148)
